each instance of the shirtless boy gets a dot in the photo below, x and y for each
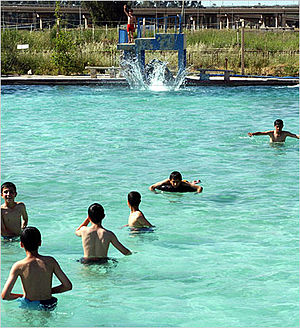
(11, 212)
(131, 24)
(96, 239)
(136, 220)
(277, 135)
(36, 272)
(176, 184)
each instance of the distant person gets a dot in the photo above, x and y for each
(176, 184)
(136, 220)
(14, 217)
(131, 24)
(96, 239)
(276, 135)
(36, 272)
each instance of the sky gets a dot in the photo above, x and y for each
(209, 3)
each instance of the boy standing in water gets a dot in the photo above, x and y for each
(96, 239)
(36, 272)
(276, 135)
(176, 184)
(131, 24)
(12, 212)
(136, 220)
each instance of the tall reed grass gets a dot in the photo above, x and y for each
(267, 53)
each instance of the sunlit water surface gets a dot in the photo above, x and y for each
(225, 258)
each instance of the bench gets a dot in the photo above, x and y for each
(204, 76)
(112, 71)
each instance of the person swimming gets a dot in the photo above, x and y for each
(176, 184)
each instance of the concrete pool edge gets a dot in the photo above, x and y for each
(106, 81)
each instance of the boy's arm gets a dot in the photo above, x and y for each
(84, 223)
(292, 135)
(197, 188)
(6, 291)
(259, 133)
(24, 216)
(158, 184)
(65, 282)
(119, 246)
(125, 10)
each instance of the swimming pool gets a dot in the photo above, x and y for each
(225, 258)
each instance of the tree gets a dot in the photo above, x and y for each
(105, 11)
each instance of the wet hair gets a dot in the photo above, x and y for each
(9, 185)
(134, 198)
(175, 175)
(96, 213)
(31, 238)
(278, 122)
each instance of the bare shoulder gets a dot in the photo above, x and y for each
(21, 205)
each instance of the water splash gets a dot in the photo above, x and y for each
(156, 76)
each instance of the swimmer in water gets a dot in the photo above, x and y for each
(12, 212)
(36, 272)
(176, 184)
(136, 220)
(276, 135)
(96, 239)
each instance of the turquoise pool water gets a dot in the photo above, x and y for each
(225, 258)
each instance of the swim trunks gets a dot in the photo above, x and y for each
(181, 188)
(88, 261)
(143, 229)
(11, 238)
(45, 305)
(130, 27)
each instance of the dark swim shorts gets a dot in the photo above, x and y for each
(11, 238)
(45, 305)
(100, 260)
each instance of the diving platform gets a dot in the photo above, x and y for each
(161, 39)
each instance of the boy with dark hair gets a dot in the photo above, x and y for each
(136, 220)
(36, 272)
(131, 24)
(12, 212)
(96, 239)
(176, 184)
(276, 135)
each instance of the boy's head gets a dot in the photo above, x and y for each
(8, 191)
(278, 124)
(96, 213)
(31, 239)
(130, 11)
(175, 179)
(134, 198)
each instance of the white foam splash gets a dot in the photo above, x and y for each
(155, 80)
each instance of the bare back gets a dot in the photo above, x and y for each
(36, 274)
(95, 241)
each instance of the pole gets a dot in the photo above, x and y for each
(243, 48)
(182, 12)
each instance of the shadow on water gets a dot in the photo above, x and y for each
(224, 199)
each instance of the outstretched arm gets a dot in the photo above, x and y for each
(119, 246)
(9, 285)
(292, 135)
(125, 10)
(194, 186)
(158, 184)
(65, 282)
(266, 133)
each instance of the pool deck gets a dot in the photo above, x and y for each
(103, 80)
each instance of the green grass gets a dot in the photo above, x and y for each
(275, 53)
